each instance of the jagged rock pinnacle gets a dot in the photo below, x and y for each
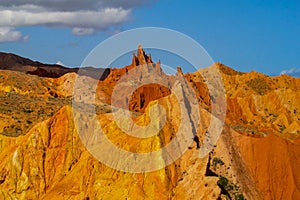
(179, 70)
(141, 58)
(141, 55)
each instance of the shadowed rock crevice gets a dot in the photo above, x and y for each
(208, 171)
(196, 139)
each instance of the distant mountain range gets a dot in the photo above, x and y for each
(9, 61)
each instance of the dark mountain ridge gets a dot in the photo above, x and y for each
(9, 61)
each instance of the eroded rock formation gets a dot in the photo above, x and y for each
(43, 155)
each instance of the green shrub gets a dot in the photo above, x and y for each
(217, 161)
(223, 181)
(239, 197)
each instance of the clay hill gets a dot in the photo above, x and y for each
(257, 155)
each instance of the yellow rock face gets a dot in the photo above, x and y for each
(50, 162)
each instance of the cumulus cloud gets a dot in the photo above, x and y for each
(74, 5)
(8, 34)
(82, 17)
(292, 72)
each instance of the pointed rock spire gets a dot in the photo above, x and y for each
(141, 55)
(179, 71)
(141, 58)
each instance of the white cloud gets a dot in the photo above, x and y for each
(83, 31)
(74, 5)
(292, 72)
(8, 34)
(83, 17)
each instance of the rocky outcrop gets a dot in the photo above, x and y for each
(258, 105)
(140, 72)
(142, 58)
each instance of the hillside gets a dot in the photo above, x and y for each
(49, 149)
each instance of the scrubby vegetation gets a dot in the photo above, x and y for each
(258, 85)
(24, 111)
(230, 190)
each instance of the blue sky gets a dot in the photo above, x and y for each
(245, 35)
